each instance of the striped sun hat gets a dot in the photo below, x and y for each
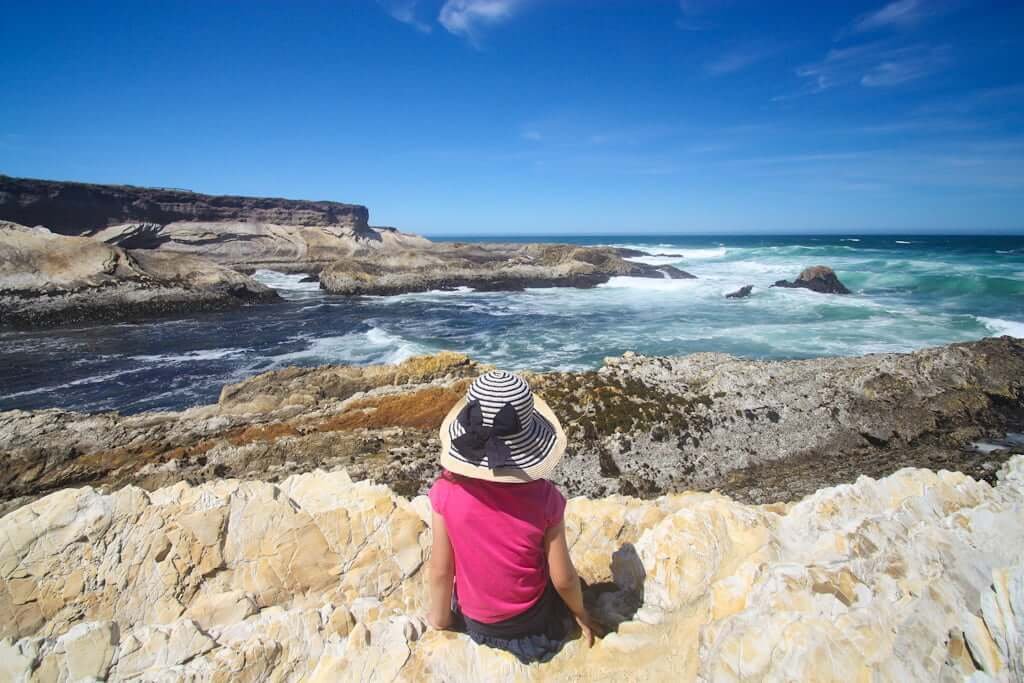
(501, 432)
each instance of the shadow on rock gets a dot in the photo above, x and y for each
(613, 602)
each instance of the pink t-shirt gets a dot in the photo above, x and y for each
(497, 534)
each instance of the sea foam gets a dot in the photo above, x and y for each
(1001, 327)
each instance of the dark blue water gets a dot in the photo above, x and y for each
(909, 292)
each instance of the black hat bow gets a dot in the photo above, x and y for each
(479, 441)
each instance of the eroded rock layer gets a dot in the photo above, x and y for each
(484, 267)
(50, 279)
(70, 208)
(917, 576)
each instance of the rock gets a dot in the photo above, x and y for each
(246, 233)
(70, 208)
(916, 576)
(761, 431)
(249, 233)
(740, 293)
(817, 279)
(48, 279)
(485, 267)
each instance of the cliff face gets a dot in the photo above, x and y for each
(918, 576)
(70, 208)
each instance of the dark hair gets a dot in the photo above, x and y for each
(448, 475)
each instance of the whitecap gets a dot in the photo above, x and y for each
(655, 260)
(286, 281)
(191, 356)
(1001, 326)
(372, 346)
(849, 239)
(903, 242)
(647, 283)
(95, 379)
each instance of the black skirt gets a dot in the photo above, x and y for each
(536, 635)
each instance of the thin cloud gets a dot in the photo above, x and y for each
(900, 14)
(694, 13)
(465, 17)
(737, 60)
(874, 65)
(405, 12)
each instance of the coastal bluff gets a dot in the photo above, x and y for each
(73, 208)
(331, 241)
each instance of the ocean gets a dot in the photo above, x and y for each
(908, 292)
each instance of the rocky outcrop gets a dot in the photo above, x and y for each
(741, 293)
(49, 279)
(250, 233)
(761, 431)
(484, 267)
(248, 246)
(918, 576)
(69, 208)
(245, 233)
(817, 279)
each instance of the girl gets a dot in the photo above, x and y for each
(500, 566)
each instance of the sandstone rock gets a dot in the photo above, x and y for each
(740, 293)
(48, 279)
(916, 576)
(817, 279)
(70, 208)
(484, 267)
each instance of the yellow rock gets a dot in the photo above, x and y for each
(917, 576)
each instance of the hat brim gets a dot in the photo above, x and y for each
(507, 475)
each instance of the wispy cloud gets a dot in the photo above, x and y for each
(695, 13)
(900, 14)
(874, 65)
(737, 60)
(405, 12)
(466, 17)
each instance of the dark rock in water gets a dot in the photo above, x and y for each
(817, 279)
(740, 293)
(310, 278)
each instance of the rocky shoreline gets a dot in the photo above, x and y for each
(230, 236)
(48, 280)
(761, 431)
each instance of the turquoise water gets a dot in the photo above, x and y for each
(908, 292)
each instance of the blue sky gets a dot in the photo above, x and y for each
(538, 116)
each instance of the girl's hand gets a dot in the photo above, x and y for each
(439, 624)
(590, 628)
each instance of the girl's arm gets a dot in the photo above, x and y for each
(440, 576)
(567, 581)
